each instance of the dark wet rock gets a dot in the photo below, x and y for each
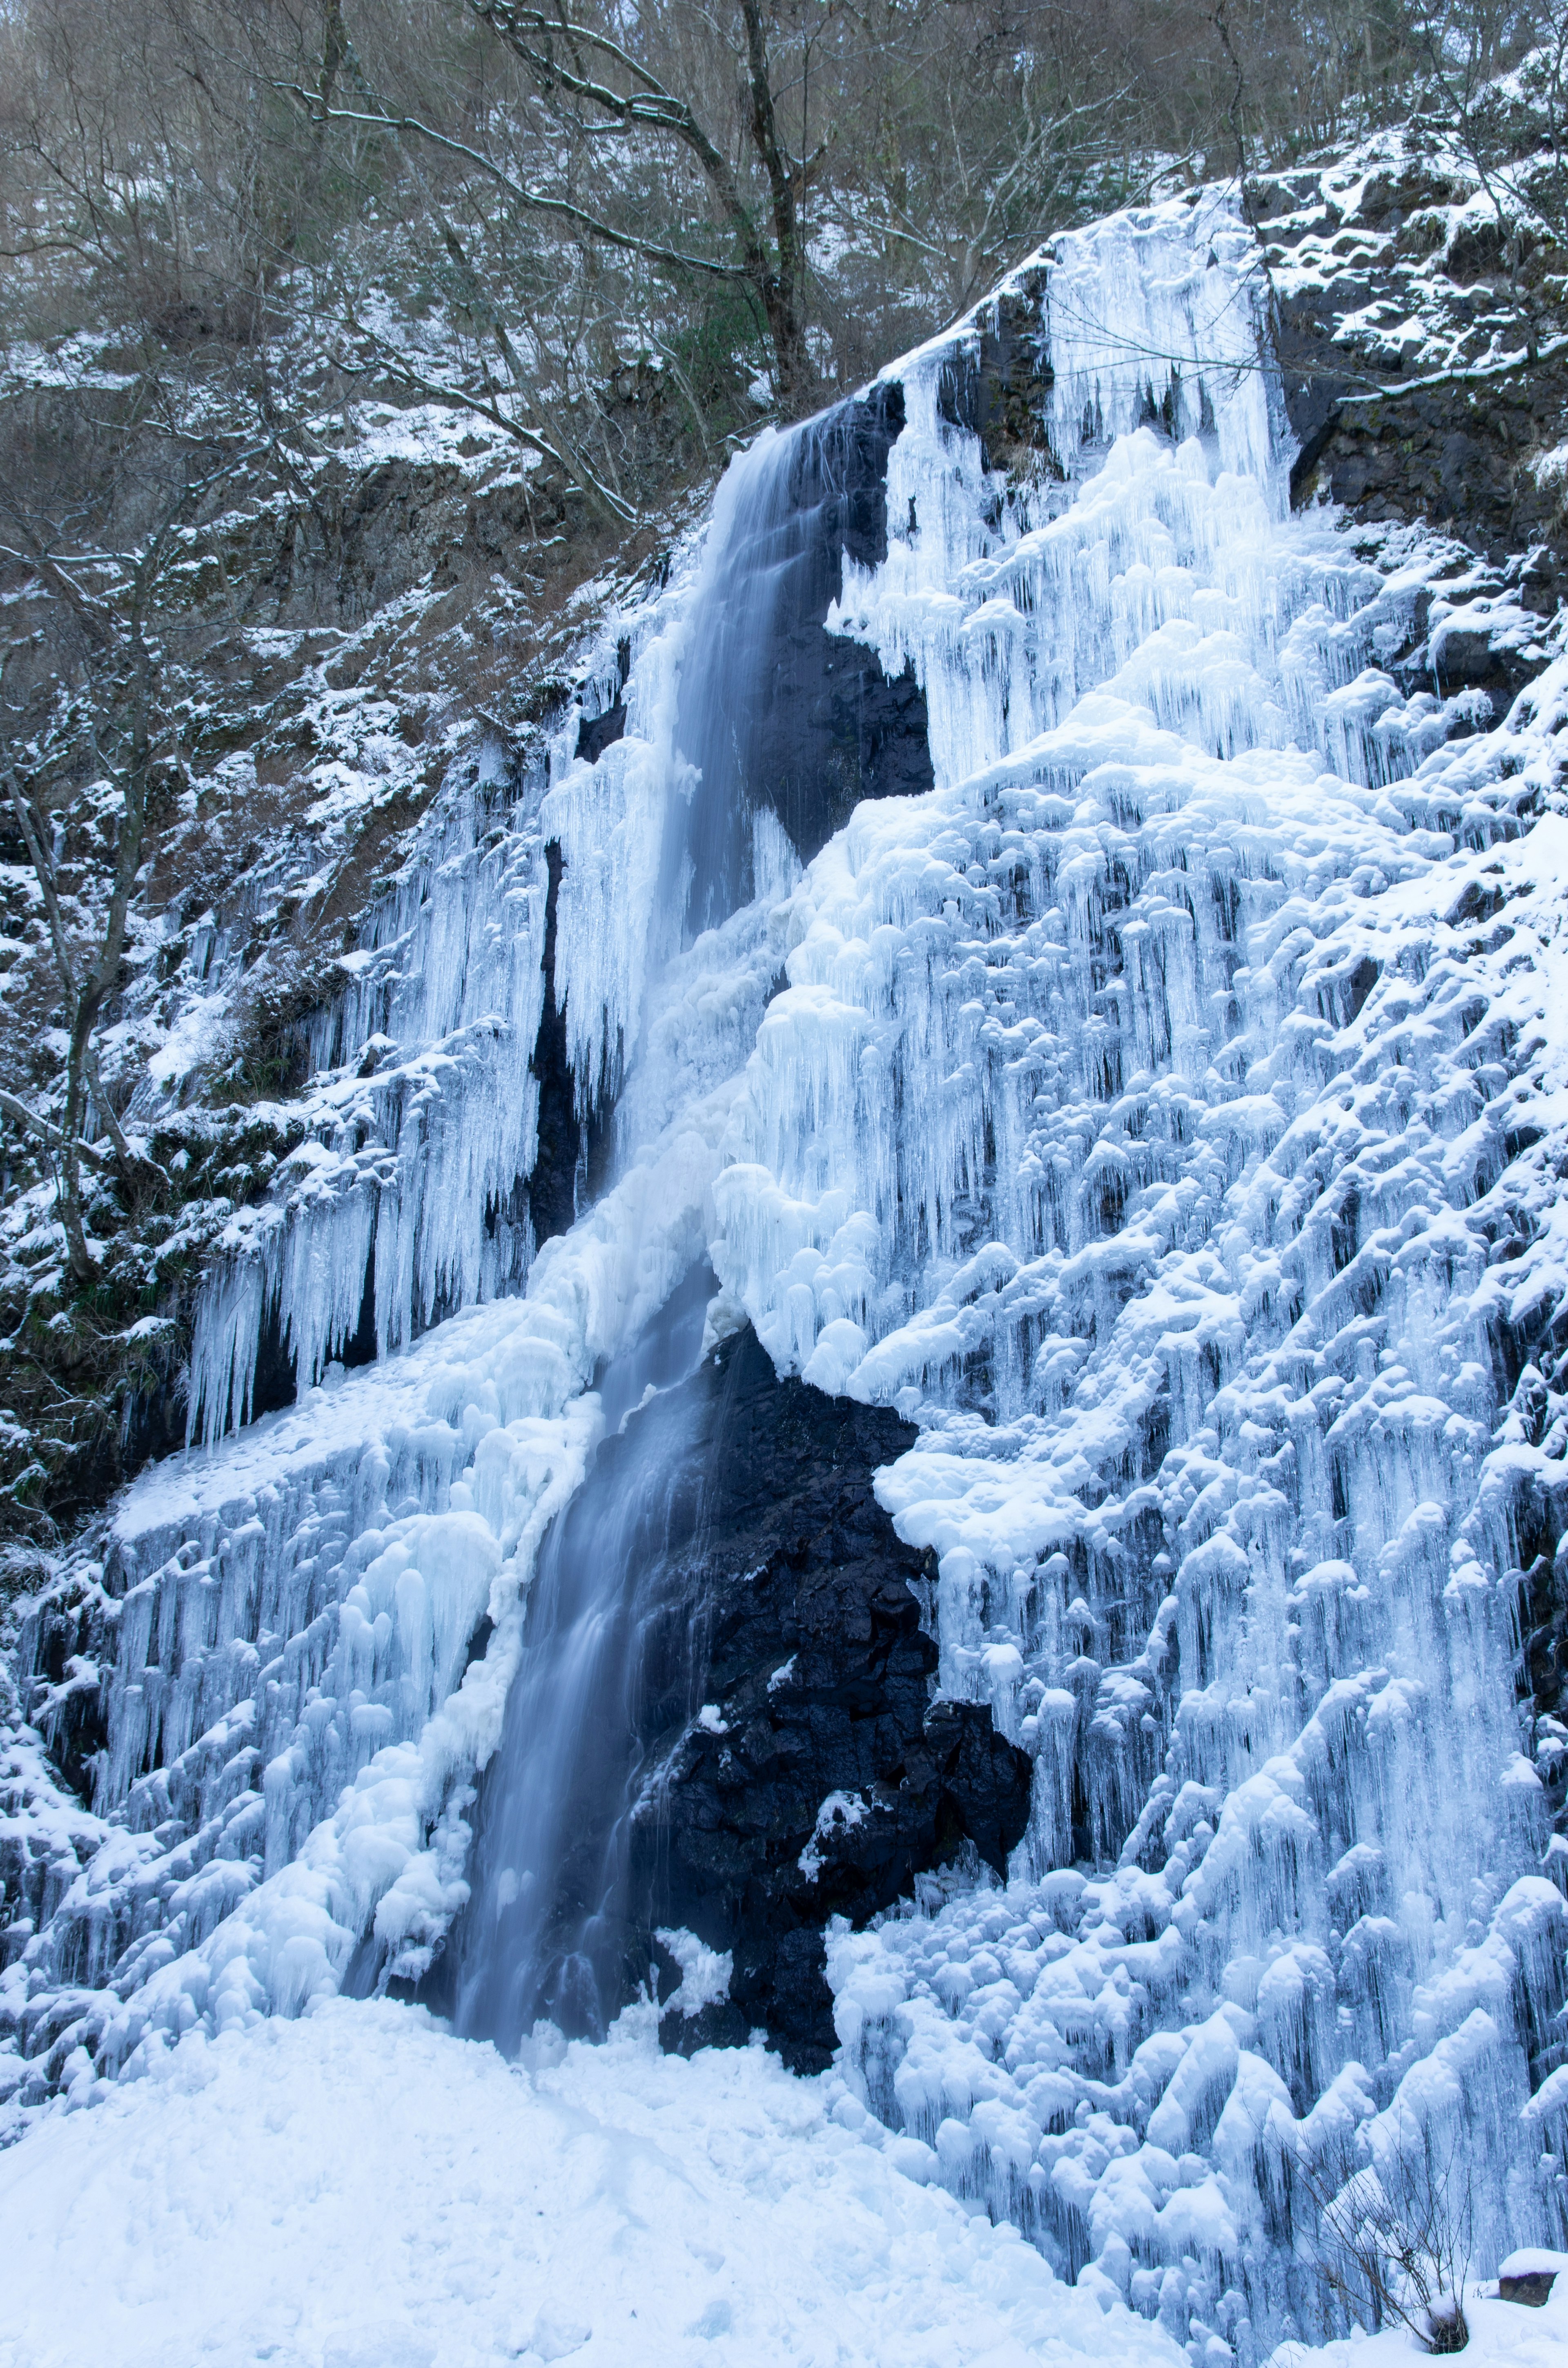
(597, 732)
(816, 1680)
(1532, 2287)
(997, 389)
(1542, 1614)
(1317, 380)
(1454, 452)
(1458, 456)
(773, 1730)
(571, 1150)
(275, 1382)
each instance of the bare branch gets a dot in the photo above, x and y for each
(94, 615)
(457, 398)
(131, 1160)
(534, 200)
(47, 1134)
(44, 870)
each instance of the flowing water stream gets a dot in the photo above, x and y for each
(612, 1619)
(612, 1644)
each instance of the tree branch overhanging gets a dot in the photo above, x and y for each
(49, 1135)
(532, 201)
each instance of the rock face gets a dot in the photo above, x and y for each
(1460, 447)
(1458, 455)
(827, 1779)
(997, 389)
(780, 1759)
(570, 1147)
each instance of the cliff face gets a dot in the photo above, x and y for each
(1102, 1045)
(830, 1778)
(368, 650)
(357, 658)
(1423, 364)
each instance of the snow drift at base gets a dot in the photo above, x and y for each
(359, 2189)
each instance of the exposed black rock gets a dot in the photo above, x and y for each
(768, 1590)
(1450, 450)
(1316, 381)
(276, 1381)
(360, 1348)
(1540, 1582)
(820, 1672)
(1531, 2287)
(1456, 456)
(597, 732)
(997, 389)
(570, 1151)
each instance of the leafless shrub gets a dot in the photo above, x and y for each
(1392, 2240)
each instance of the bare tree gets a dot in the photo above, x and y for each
(107, 640)
(1394, 2241)
(595, 91)
(601, 90)
(1512, 134)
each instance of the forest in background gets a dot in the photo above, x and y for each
(789, 190)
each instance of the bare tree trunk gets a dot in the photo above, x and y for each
(62, 1142)
(777, 278)
(783, 288)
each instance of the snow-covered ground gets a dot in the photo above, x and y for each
(1502, 2334)
(359, 2190)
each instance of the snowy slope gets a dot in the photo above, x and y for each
(1166, 1111)
(357, 2189)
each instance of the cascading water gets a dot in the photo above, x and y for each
(1163, 1109)
(610, 1624)
(781, 751)
(727, 843)
(545, 1933)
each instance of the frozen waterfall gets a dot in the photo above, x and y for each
(1161, 1104)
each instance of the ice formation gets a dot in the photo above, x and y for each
(1166, 1111)
(424, 1116)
